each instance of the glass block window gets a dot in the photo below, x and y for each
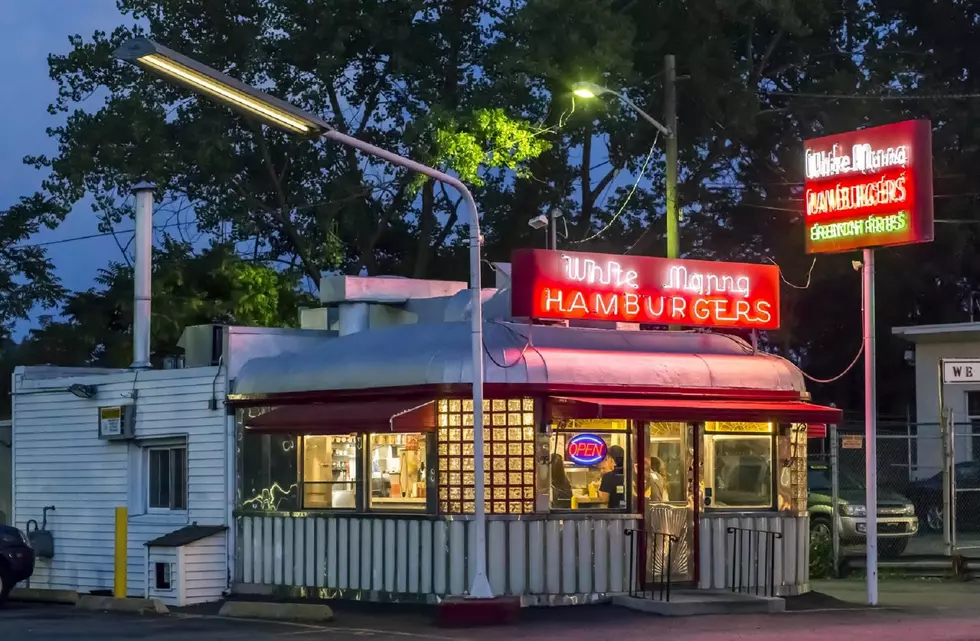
(508, 449)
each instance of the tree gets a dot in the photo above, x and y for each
(394, 73)
(189, 288)
(27, 278)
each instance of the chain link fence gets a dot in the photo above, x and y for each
(914, 494)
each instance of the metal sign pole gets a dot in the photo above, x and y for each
(944, 456)
(835, 497)
(870, 427)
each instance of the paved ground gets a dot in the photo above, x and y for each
(21, 622)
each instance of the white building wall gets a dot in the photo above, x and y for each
(927, 356)
(59, 460)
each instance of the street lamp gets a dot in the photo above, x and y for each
(244, 98)
(551, 220)
(590, 90)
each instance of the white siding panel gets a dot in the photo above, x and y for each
(59, 460)
(205, 569)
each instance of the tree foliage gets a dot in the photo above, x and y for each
(188, 288)
(480, 88)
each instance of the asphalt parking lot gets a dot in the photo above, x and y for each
(23, 622)
(34, 622)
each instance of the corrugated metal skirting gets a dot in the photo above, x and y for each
(381, 558)
(790, 554)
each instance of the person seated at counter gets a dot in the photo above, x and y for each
(561, 487)
(612, 486)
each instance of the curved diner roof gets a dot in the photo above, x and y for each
(550, 359)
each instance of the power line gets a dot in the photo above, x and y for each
(62, 241)
(857, 96)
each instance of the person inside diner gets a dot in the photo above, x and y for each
(657, 481)
(561, 487)
(612, 486)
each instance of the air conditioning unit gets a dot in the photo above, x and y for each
(203, 345)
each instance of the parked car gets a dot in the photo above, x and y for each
(897, 520)
(927, 494)
(16, 559)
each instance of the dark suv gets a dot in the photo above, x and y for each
(16, 559)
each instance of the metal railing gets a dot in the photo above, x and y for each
(753, 569)
(660, 559)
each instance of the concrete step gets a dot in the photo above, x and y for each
(685, 603)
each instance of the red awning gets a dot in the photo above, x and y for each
(816, 430)
(347, 418)
(691, 409)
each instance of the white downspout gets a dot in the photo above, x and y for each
(142, 273)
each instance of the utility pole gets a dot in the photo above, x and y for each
(670, 116)
(553, 228)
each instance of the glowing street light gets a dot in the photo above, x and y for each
(224, 89)
(590, 90)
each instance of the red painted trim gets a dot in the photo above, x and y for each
(505, 390)
(696, 517)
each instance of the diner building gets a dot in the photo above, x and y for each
(356, 470)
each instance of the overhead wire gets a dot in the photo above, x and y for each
(622, 208)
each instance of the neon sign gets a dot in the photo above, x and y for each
(586, 449)
(639, 289)
(878, 194)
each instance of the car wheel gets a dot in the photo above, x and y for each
(821, 525)
(934, 518)
(893, 547)
(6, 584)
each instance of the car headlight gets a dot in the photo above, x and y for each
(853, 510)
(909, 510)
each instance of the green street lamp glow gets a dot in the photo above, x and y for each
(589, 90)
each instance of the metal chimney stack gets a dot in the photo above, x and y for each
(142, 274)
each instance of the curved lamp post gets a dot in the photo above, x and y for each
(224, 89)
(589, 90)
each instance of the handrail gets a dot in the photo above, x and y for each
(663, 550)
(749, 574)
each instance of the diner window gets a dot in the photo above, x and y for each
(167, 478)
(269, 472)
(398, 467)
(329, 471)
(508, 448)
(589, 462)
(738, 461)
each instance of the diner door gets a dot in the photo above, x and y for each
(669, 501)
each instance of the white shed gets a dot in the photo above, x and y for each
(183, 567)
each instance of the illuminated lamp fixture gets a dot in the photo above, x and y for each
(187, 72)
(83, 391)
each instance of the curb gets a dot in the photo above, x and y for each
(40, 595)
(310, 612)
(92, 603)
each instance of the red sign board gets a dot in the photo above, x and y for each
(640, 289)
(869, 188)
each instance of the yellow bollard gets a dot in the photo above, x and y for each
(122, 538)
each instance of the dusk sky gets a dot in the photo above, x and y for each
(32, 30)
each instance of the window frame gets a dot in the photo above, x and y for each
(629, 489)
(773, 472)
(427, 440)
(355, 482)
(148, 451)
